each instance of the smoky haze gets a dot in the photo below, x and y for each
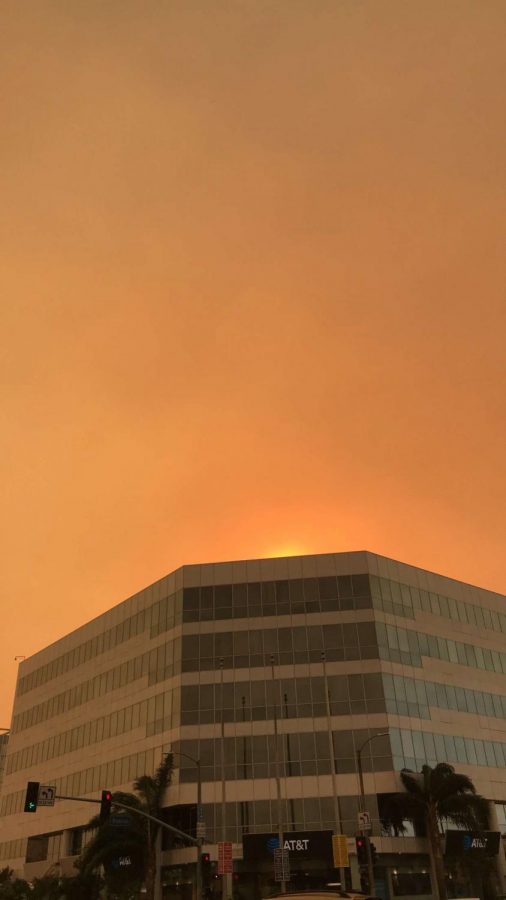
(252, 292)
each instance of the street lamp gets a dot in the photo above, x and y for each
(370, 867)
(333, 769)
(278, 786)
(196, 763)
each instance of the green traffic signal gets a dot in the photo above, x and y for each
(32, 796)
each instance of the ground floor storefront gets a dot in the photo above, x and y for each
(311, 867)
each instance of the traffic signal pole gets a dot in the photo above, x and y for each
(196, 841)
(280, 816)
(196, 763)
(370, 867)
(138, 812)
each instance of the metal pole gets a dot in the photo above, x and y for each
(289, 772)
(198, 878)
(361, 778)
(224, 878)
(158, 872)
(278, 781)
(139, 812)
(332, 751)
(200, 839)
(370, 867)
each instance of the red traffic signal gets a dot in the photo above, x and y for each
(361, 845)
(207, 871)
(105, 806)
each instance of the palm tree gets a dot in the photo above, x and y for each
(435, 797)
(136, 840)
(12, 888)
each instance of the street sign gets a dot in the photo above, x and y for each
(364, 821)
(120, 821)
(121, 862)
(47, 795)
(201, 829)
(281, 865)
(225, 865)
(340, 851)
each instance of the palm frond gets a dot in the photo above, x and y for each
(439, 775)
(106, 846)
(146, 787)
(393, 814)
(163, 774)
(412, 783)
(126, 797)
(152, 787)
(452, 784)
(120, 797)
(137, 837)
(465, 810)
(401, 808)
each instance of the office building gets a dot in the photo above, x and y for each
(332, 652)
(4, 741)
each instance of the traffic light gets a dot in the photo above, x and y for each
(207, 873)
(32, 795)
(374, 854)
(361, 845)
(105, 806)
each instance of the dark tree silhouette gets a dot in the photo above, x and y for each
(437, 797)
(135, 841)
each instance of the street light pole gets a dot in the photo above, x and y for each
(226, 878)
(370, 867)
(332, 753)
(198, 878)
(278, 784)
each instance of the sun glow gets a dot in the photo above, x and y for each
(291, 549)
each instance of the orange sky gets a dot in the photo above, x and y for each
(252, 292)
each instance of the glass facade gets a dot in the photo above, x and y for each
(158, 664)
(267, 598)
(407, 646)
(260, 816)
(160, 713)
(413, 697)
(298, 753)
(276, 598)
(412, 749)
(406, 600)
(245, 701)
(300, 644)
